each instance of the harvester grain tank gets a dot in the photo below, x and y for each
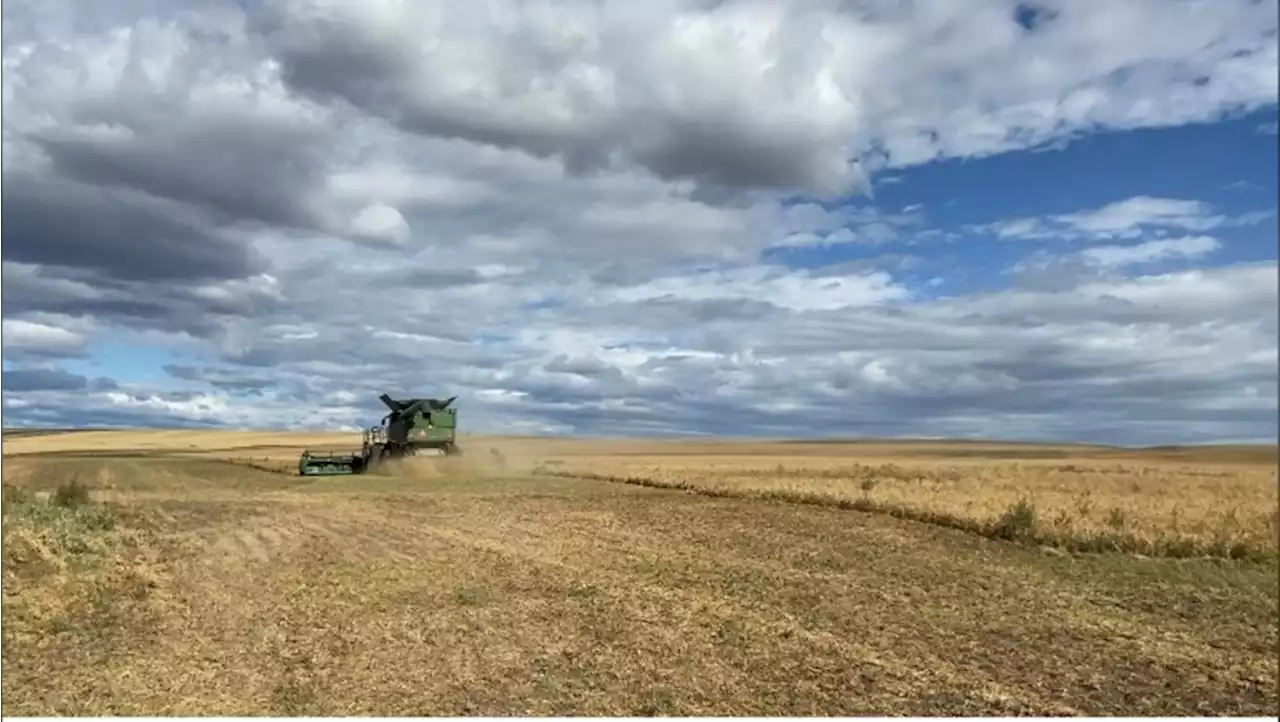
(413, 427)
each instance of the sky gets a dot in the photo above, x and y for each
(1044, 220)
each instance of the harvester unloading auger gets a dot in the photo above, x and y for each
(414, 426)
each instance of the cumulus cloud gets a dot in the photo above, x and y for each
(762, 94)
(44, 338)
(561, 212)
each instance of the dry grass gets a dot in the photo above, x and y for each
(168, 577)
(1158, 503)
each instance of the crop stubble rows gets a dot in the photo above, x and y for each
(430, 595)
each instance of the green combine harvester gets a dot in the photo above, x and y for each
(414, 427)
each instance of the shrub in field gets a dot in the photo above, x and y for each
(1018, 522)
(48, 532)
(71, 494)
(14, 495)
(69, 567)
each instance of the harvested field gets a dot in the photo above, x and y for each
(180, 573)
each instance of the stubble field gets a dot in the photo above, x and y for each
(179, 573)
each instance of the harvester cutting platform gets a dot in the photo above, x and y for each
(414, 427)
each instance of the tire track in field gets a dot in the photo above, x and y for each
(246, 545)
(295, 528)
(363, 532)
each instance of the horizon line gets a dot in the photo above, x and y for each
(7, 430)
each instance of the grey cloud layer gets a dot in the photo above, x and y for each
(771, 94)
(558, 213)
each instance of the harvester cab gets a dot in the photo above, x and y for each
(413, 427)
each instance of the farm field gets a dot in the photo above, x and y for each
(182, 572)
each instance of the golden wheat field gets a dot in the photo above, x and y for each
(189, 572)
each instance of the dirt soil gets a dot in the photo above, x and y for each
(190, 584)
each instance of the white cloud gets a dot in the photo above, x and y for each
(754, 93)
(382, 223)
(794, 291)
(559, 211)
(26, 337)
(1151, 251)
(1127, 219)
(394, 184)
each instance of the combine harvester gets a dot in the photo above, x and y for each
(415, 427)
